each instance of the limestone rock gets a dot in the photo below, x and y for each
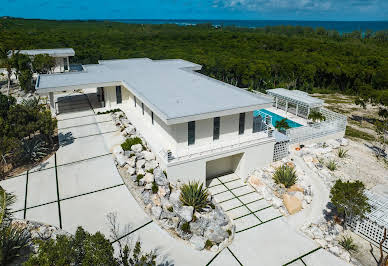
(140, 163)
(276, 202)
(120, 159)
(220, 217)
(132, 161)
(118, 150)
(130, 171)
(148, 178)
(215, 233)
(292, 203)
(197, 242)
(129, 130)
(299, 195)
(198, 227)
(156, 211)
(146, 195)
(162, 191)
(160, 178)
(155, 199)
(185, 212)
(148, 156)
(174, 198)
(295, 188)
(148, 186)
(151, 165)
(137, 148)
(344, 142)
(255, 181)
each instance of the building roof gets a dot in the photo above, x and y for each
(59, 52)
(296, 96)
(170, 88)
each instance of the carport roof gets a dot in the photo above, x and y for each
(170, 88)
(58, 52)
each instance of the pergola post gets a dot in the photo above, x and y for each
(308, 112)
(286, 106)
(276, 102)
(52, 103)
(296, 112)
(68, 64)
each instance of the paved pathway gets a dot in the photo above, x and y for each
(80, 185)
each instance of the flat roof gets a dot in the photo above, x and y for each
(170, 88)
(58, 52)
(296, 96)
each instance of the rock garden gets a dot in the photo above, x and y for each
(283, 185)
(186, 211)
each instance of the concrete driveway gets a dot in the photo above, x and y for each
(80, 185)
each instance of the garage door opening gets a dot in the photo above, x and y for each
(223, 166)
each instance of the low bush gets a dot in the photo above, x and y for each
(154, 188)
(186, 227)
(342, 153)
(138, 177)
(34, 149)
(129, 142)
(348, 244)
(109, 111)
(170, 209)
(208, 244)
(151, 171)
(355, 133)
(285, 175)
(331, 165)
(193, 194)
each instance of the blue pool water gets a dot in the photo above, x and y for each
(276, 117)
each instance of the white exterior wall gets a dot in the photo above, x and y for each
(161, 136)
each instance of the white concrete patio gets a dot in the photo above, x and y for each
(80, 185)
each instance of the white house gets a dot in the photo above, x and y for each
(61, 56)
(197, 126)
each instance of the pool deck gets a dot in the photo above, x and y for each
(289, 116)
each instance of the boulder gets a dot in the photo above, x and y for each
(198, 227)
(120, 159)
(146, 197)
(128, 153)
(171, 223)
(344, 142)
(255, 181)
(147, 186)
(174, 198)
(292, 203)
(140, 163)
(321, 242)
(215, 233)
(185, 212)
(276, 202)
(156, 211)
(160, 178)
(197, 242)
(308, 199)
(295, 188)
(131, 171)
(131, 161)
(220, 217)
(163, 191)
(299, 195)
(118, 150)
(155, 199)
(148, 178)
(335, 250)
(137, 148)
(151, 165)
(129, 130)
(148, 156)
(290, 164)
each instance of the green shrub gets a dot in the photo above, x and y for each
(331, 165)
(355, 133)
(109, 111)
(285, 175)
(165, 173)
(13, 241)
(193, 194)
(229, 232)
(34, 149)
(348, 244)
(170, 209)
(138, 177)
(151, 171)
(212, 205)
(186, 227)
(208, 244)
(342, 153)
(154, 188)
(129, 142)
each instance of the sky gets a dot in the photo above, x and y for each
(359, 10)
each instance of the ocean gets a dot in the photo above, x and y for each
(340, 26)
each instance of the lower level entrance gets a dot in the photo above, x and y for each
(223, 166)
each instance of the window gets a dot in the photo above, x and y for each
(152, 117)
(134, 98)
(241, 124)
(118, 94)
(216, 128)
(142, 108)
(191, 132)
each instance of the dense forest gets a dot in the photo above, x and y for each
(283, 56)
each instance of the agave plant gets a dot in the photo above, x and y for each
(285, 175)
(331, 165)
(348, 244)
(31, 102)
(6, 200)
(342, 153)
(193, 194)
(34, 149)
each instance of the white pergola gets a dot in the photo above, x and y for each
(295, 101)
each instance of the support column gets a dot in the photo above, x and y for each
(276, 100)
(308, 112)
(52, 104)
(68, 64)
(296, 112)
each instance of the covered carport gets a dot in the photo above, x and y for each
(223, 166)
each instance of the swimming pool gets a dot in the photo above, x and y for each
(276, 117)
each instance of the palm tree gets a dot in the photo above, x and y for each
(6, 200)
(282, 125)
(316, 116)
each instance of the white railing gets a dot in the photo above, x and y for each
(334, 123)
(225, 146)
